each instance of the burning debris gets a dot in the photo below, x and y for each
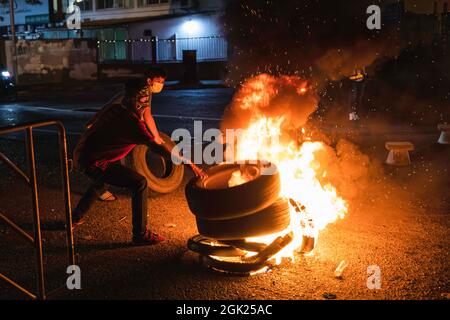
(301, 201)
(237, 202)
(313, 205)
(340, 269)
(239, 256)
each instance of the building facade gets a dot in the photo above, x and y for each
(127, 30)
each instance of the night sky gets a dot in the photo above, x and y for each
(424, 6)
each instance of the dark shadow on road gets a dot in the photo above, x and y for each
(45, 226)
(95, 246)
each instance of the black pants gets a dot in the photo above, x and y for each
(356, 97)
(120, 176)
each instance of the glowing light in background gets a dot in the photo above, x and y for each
(191, 27)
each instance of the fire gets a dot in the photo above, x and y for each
(259, 92)
(297, 166)
(272, 111)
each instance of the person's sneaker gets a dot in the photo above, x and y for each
(148, 238)
(107, 196)
(77, 219)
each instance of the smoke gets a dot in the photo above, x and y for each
(412, 90)
(335, 64)
(346, 167)
(316, 39)
(290, 97)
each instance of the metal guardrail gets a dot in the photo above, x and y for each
(208, 49)
(166, 50)
(30, 180)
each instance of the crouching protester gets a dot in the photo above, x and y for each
(114, 133)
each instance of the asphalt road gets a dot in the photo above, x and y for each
(398, 220)
(172, 108)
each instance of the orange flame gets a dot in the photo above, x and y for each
(297, 166)
(296, 163)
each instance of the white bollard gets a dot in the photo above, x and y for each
(399, 153)
(444, 138)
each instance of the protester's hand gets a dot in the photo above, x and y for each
(199, 172)
(158, 140)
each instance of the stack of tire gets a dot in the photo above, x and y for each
(250, 209)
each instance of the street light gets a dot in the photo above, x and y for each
(191, 27)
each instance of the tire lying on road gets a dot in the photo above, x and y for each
(213, 199)
(211, 247)
(272, 219)
(233, 267)
(172, 175)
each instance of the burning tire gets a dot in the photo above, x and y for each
(233, 267)
(213, 199)
(168, 176)
(272, 219)
(211, 247)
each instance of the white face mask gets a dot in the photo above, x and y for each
(157, 87)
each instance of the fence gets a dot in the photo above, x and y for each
(31, 181)
(167, 50)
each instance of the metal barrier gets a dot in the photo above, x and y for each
(214, 48)
(36, 240)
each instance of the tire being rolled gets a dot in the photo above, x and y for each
(272, 219)
(173, 175)
(212, 199)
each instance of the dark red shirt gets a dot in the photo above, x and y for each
(114, 133)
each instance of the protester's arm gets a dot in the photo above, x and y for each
(176, 155)
(150, 122)
(146, 138)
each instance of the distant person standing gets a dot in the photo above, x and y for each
(357, 88)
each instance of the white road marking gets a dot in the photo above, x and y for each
(184, 117)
